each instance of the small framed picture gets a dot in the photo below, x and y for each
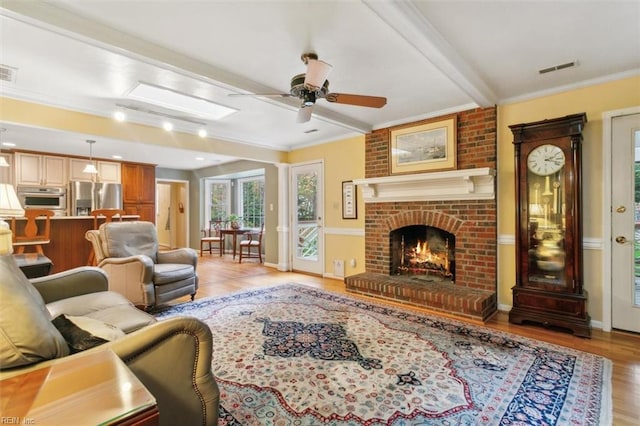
(349, 201)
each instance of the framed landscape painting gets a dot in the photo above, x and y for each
(424, 148)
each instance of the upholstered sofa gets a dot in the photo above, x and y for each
(172, 358)
(129, 253)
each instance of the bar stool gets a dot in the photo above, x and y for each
(32, 235)
(108, 215)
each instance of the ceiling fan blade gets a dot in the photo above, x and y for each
(359, 100)
(304, 114)
(317, 73)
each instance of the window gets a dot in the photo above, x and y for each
(218, 199)
(251, 201)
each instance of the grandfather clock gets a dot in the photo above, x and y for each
(549, 286)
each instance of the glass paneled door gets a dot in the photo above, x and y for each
(625, 223)
(307, 213)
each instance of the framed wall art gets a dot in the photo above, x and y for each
(349, 200)
(423, 148)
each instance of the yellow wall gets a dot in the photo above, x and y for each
(344, 238)
(594, 100)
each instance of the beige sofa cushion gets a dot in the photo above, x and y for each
(27, 335)
(106, 306)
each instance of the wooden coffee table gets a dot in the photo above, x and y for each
(94, 389)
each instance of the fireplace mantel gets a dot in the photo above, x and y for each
(468, 184)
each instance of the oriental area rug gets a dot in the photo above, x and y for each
(296, 355)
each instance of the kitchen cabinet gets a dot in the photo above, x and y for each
(139, 190)
(40, 170)
(108, 171)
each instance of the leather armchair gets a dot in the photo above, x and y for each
(129, 253)
(172, 358)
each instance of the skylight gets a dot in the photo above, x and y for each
(179, 102)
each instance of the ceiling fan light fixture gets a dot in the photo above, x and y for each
(317, 73)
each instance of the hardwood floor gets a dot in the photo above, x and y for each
(223, 275)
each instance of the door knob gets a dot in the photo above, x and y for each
(621, 209)
(621, 240)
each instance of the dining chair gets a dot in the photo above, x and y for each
(212, 238)
(108, 215)
(35, 233)
(253, 241)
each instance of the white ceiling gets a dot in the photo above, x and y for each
(428, 58)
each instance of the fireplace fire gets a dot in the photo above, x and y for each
(423, 250)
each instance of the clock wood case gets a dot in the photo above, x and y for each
(549, 269)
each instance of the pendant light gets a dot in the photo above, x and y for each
(90, 168)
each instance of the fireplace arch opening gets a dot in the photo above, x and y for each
(423, 251)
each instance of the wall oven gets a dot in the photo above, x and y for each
(42, 197)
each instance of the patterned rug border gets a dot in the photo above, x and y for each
(452, 325)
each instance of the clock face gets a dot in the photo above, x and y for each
(546, 160)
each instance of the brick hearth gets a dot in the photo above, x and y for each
(444, 297)
(472, 221)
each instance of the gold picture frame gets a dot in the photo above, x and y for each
(427, 147)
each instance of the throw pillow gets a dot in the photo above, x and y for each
(83, 333)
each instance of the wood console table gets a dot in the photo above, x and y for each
(88, 390)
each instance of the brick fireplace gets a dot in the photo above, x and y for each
(461, 203)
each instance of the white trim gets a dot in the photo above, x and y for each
(187, 203)
(467, 184)
(355, 232)
(592, 243)
(284, 252)
(506, 240)
(607, 118)
(569, 87)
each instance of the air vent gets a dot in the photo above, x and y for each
(310, 131)
(558, 67)
(8, 73)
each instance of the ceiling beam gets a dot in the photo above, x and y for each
(52, 18)
(409, 22)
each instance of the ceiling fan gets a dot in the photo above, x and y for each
(314, 85)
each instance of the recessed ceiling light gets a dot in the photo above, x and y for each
(119, 116)
(202, 133)
(199, 159)
(8, 144)
(167, 126)
(117, 157)
(179, 101)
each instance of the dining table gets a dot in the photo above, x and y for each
(234, 236)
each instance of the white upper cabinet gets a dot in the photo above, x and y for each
(108, 171)
(40, 170)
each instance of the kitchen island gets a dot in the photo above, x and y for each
(68, 247)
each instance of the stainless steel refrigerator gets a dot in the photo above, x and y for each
(88, 196)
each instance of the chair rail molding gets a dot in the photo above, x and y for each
(467, 184)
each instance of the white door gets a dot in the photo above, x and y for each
(625, 223)
(307, 218)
